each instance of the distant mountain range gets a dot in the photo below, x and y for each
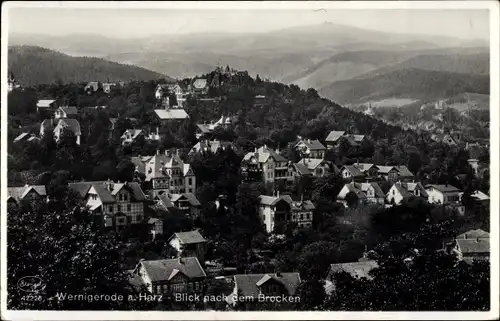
(35, 65)
(346, 64)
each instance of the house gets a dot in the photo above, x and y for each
(66, 112)
(171, 114)
(205, 130)
(314, 167)
(473, 234)
(310, 148)
(26, 137)
(400, 191)
(190, 243)
(395, 173)
(474, 163)
(56, 128)
(266, 165)
(256, 287)
(199, 86)
(211, 146)
(357, 270)
(359, 172)
(169, 276)
(106, 87)
(120, 204)
(163, 90)
(155, 227)
(445, 139)
(91, 87)
(480, 202)
(259, 101)
(131, 135)
(186, 202)
(12, 83)
(140, 163)
(169, 174)
(278, 212)
(442, 194)
(26, 192)
(46, 104)
(369, 192)
(473, 249)
(334, 139)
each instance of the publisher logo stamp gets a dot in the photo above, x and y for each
(31, 284)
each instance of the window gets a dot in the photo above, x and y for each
(111, 209)
(125, 197)
(158, 289)
(190, 190)
(393, 192)
(120, 197)
(129, 207)
(190, 181)
(119, 208)
(139, 218)
(308, 216)
(301, 216)
(129, 219)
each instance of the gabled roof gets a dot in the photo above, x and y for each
(191, 237)
(249, 284)
(473, 234)
(174, 113)
(18, 193)
(355, 269)
(161, 270)
(404, 171)
(71, 124)
(69, 110)
(385, 169)
(334, 135)
(312, 163)
(45, 103)
(474, 246)
(443, 188)
(212, 146)
(134, 133)
(159, 164)
(480, 196)
(107, 196)
(298, 205)
(355, 171)
(302, 169)
(376, 188)
(311, 144)
(262, 155)
(205, 129)
(93, 84)
(190, 197)
(20, 137)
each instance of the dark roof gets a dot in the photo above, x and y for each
(189, 237)
(444, 188)
(249, 284)
(107, 196)
(473, 234)
(164, 270)
(354, 170)
(355, 269)
(473, 246)
(302, 168)
(334, 135)
(19, 193)
(312, 144)
(70, 110)
(404, 171)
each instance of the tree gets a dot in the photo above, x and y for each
(66, 249)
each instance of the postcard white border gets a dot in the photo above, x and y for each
(492, 6)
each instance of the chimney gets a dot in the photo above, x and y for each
(157, 152)
(179, 260)
(278, 274)
(157, 131)
(166, 152)
(277, 193)
(255, 150)
(177, 151)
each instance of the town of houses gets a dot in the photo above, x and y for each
(171, 184)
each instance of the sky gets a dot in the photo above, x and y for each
(132, 23)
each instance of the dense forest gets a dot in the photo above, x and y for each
(35, 65)
(236, 235)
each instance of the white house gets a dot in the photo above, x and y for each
(66, 112)
(369, 192)
(277, 212)
(311, 148)
(400, 191)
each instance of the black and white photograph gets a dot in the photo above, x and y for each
(232, 159)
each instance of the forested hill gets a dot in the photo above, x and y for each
(33, 65)
(285, 113)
